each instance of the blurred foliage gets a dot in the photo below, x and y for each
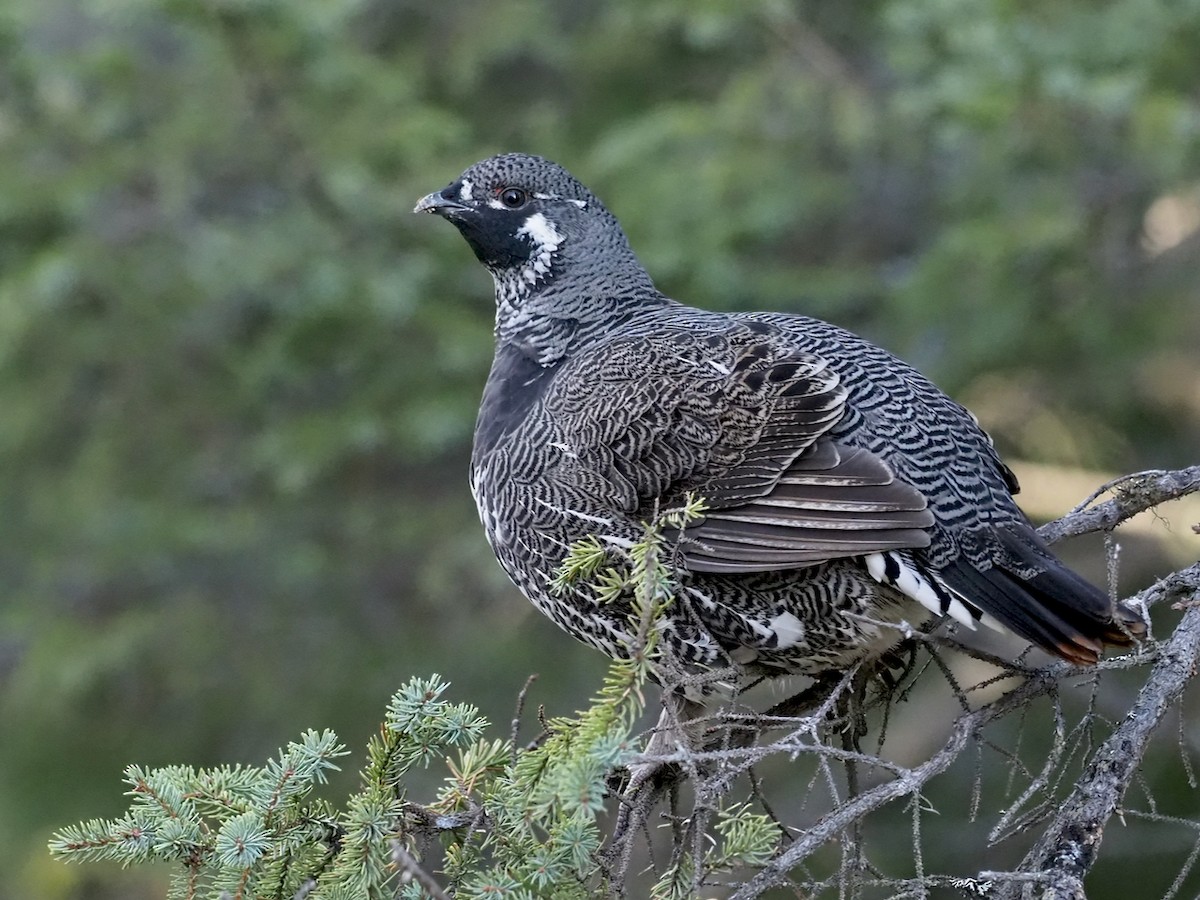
(256, 832)
(238, 379)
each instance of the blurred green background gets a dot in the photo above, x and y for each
(238, 378)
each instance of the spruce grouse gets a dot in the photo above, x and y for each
(844, 491)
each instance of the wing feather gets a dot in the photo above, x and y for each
(741, 419)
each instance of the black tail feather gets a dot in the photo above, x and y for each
(1034, 594)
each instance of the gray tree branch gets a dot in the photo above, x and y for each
(837, 820)
(1133, 494)
(1069, 845)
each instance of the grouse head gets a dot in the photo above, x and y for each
(534, 226)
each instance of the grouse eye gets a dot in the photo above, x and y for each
(513, 198)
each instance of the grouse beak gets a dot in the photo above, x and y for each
(439, 204)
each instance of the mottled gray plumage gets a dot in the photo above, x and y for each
(844, 490)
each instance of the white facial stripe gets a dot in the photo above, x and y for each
(543, 233)
(465, 191)
(537, 195)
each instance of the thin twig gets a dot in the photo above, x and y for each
(516, 719)
(407, 864)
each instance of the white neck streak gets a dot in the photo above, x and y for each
(546, 241)
(514, 286)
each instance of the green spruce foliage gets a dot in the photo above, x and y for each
(509, 821)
